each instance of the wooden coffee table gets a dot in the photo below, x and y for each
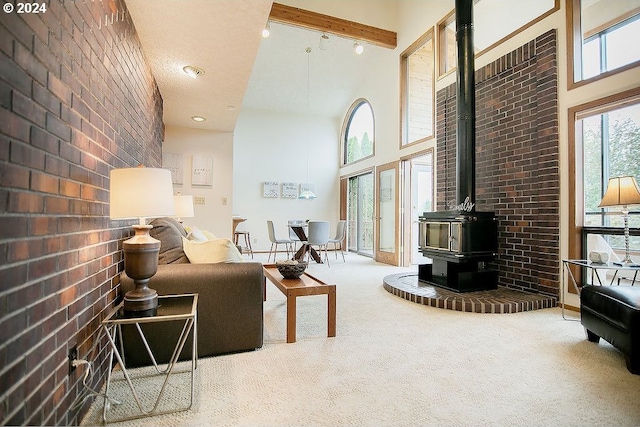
(305, 285)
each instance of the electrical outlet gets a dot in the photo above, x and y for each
(73, 355)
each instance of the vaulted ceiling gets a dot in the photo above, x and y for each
(243, 70)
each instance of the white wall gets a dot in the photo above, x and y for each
(214, 215)
(271, 146)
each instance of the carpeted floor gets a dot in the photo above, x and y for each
(397, 363)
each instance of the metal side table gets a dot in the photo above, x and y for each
(170, 308)
(595, 276)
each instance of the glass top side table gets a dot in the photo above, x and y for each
(593, 267)
(170, 308)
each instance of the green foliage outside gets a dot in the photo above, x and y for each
(621, 157)
(623, 160)
(358, 149)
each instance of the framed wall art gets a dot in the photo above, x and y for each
(202, 171)
(271, 189)
(289, 190)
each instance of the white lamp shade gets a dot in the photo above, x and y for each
(621, 191)
(140, 193)
(184, 206)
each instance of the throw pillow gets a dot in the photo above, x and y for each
(211, 251)
(196, 235)
(169, 232)
(209, 235)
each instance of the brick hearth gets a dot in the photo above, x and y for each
(501, 300)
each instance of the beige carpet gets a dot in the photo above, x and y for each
(398, 363)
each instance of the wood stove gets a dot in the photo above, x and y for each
(461, 241)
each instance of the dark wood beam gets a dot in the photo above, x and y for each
(329, 24)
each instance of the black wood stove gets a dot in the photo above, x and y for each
(461, 241)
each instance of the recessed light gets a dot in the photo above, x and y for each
(198, 118)
(358, 48)
(192, 71)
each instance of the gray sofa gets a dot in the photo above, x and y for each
(230, 298)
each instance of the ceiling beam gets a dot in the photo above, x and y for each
(329, 24)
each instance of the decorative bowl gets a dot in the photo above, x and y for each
(291, 269)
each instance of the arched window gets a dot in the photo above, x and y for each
(357, 132)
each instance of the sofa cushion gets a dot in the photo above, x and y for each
(170, 233)
(211, 251)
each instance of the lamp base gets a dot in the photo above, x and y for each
(141, 299)
(627, 263)
(140, 264)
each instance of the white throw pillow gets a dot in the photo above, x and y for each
(211, 251)
(196, 235)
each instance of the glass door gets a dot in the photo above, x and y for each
(418, 173)
(360, 214)
(387, 215)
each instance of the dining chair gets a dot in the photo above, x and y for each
(341, 234)
(318, 235)
(275, 242)
(292, 234)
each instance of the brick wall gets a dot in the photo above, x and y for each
(517, 160)
(77, 99)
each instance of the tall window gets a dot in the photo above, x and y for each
(358, 136)
(417, 105)
(601, 35)
(609, 137)
(447, 56)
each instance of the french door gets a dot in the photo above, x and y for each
(418, 197)
(360, 210)
(387, 214)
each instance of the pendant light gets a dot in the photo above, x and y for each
(308, 194)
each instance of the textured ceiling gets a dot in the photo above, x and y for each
(222, 37)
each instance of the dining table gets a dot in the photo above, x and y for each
(300, 254)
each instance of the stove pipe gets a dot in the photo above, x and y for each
(465, 107)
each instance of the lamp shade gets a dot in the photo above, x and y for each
(140, 193)
(621, 191)
(184, 206)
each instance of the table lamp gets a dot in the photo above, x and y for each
(622, 191)
(184, 207)
(140, 193)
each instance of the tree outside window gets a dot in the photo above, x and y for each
(358, 134)
(611, 144)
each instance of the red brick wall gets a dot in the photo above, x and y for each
(517, 160)
(77, 99)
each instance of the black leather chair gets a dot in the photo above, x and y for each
(613, 313)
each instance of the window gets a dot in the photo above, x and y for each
(608, 138)
(600, 37)
(490, 27)
(611, 144)
(447, 44)
(358, 136)
(417, 103)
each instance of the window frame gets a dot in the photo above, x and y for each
(451, 16)
(576, 194)
(574, 48)
(441, 50)
(404, 59)
(345, 128)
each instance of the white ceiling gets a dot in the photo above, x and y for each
(242, 70)
(222, 37)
